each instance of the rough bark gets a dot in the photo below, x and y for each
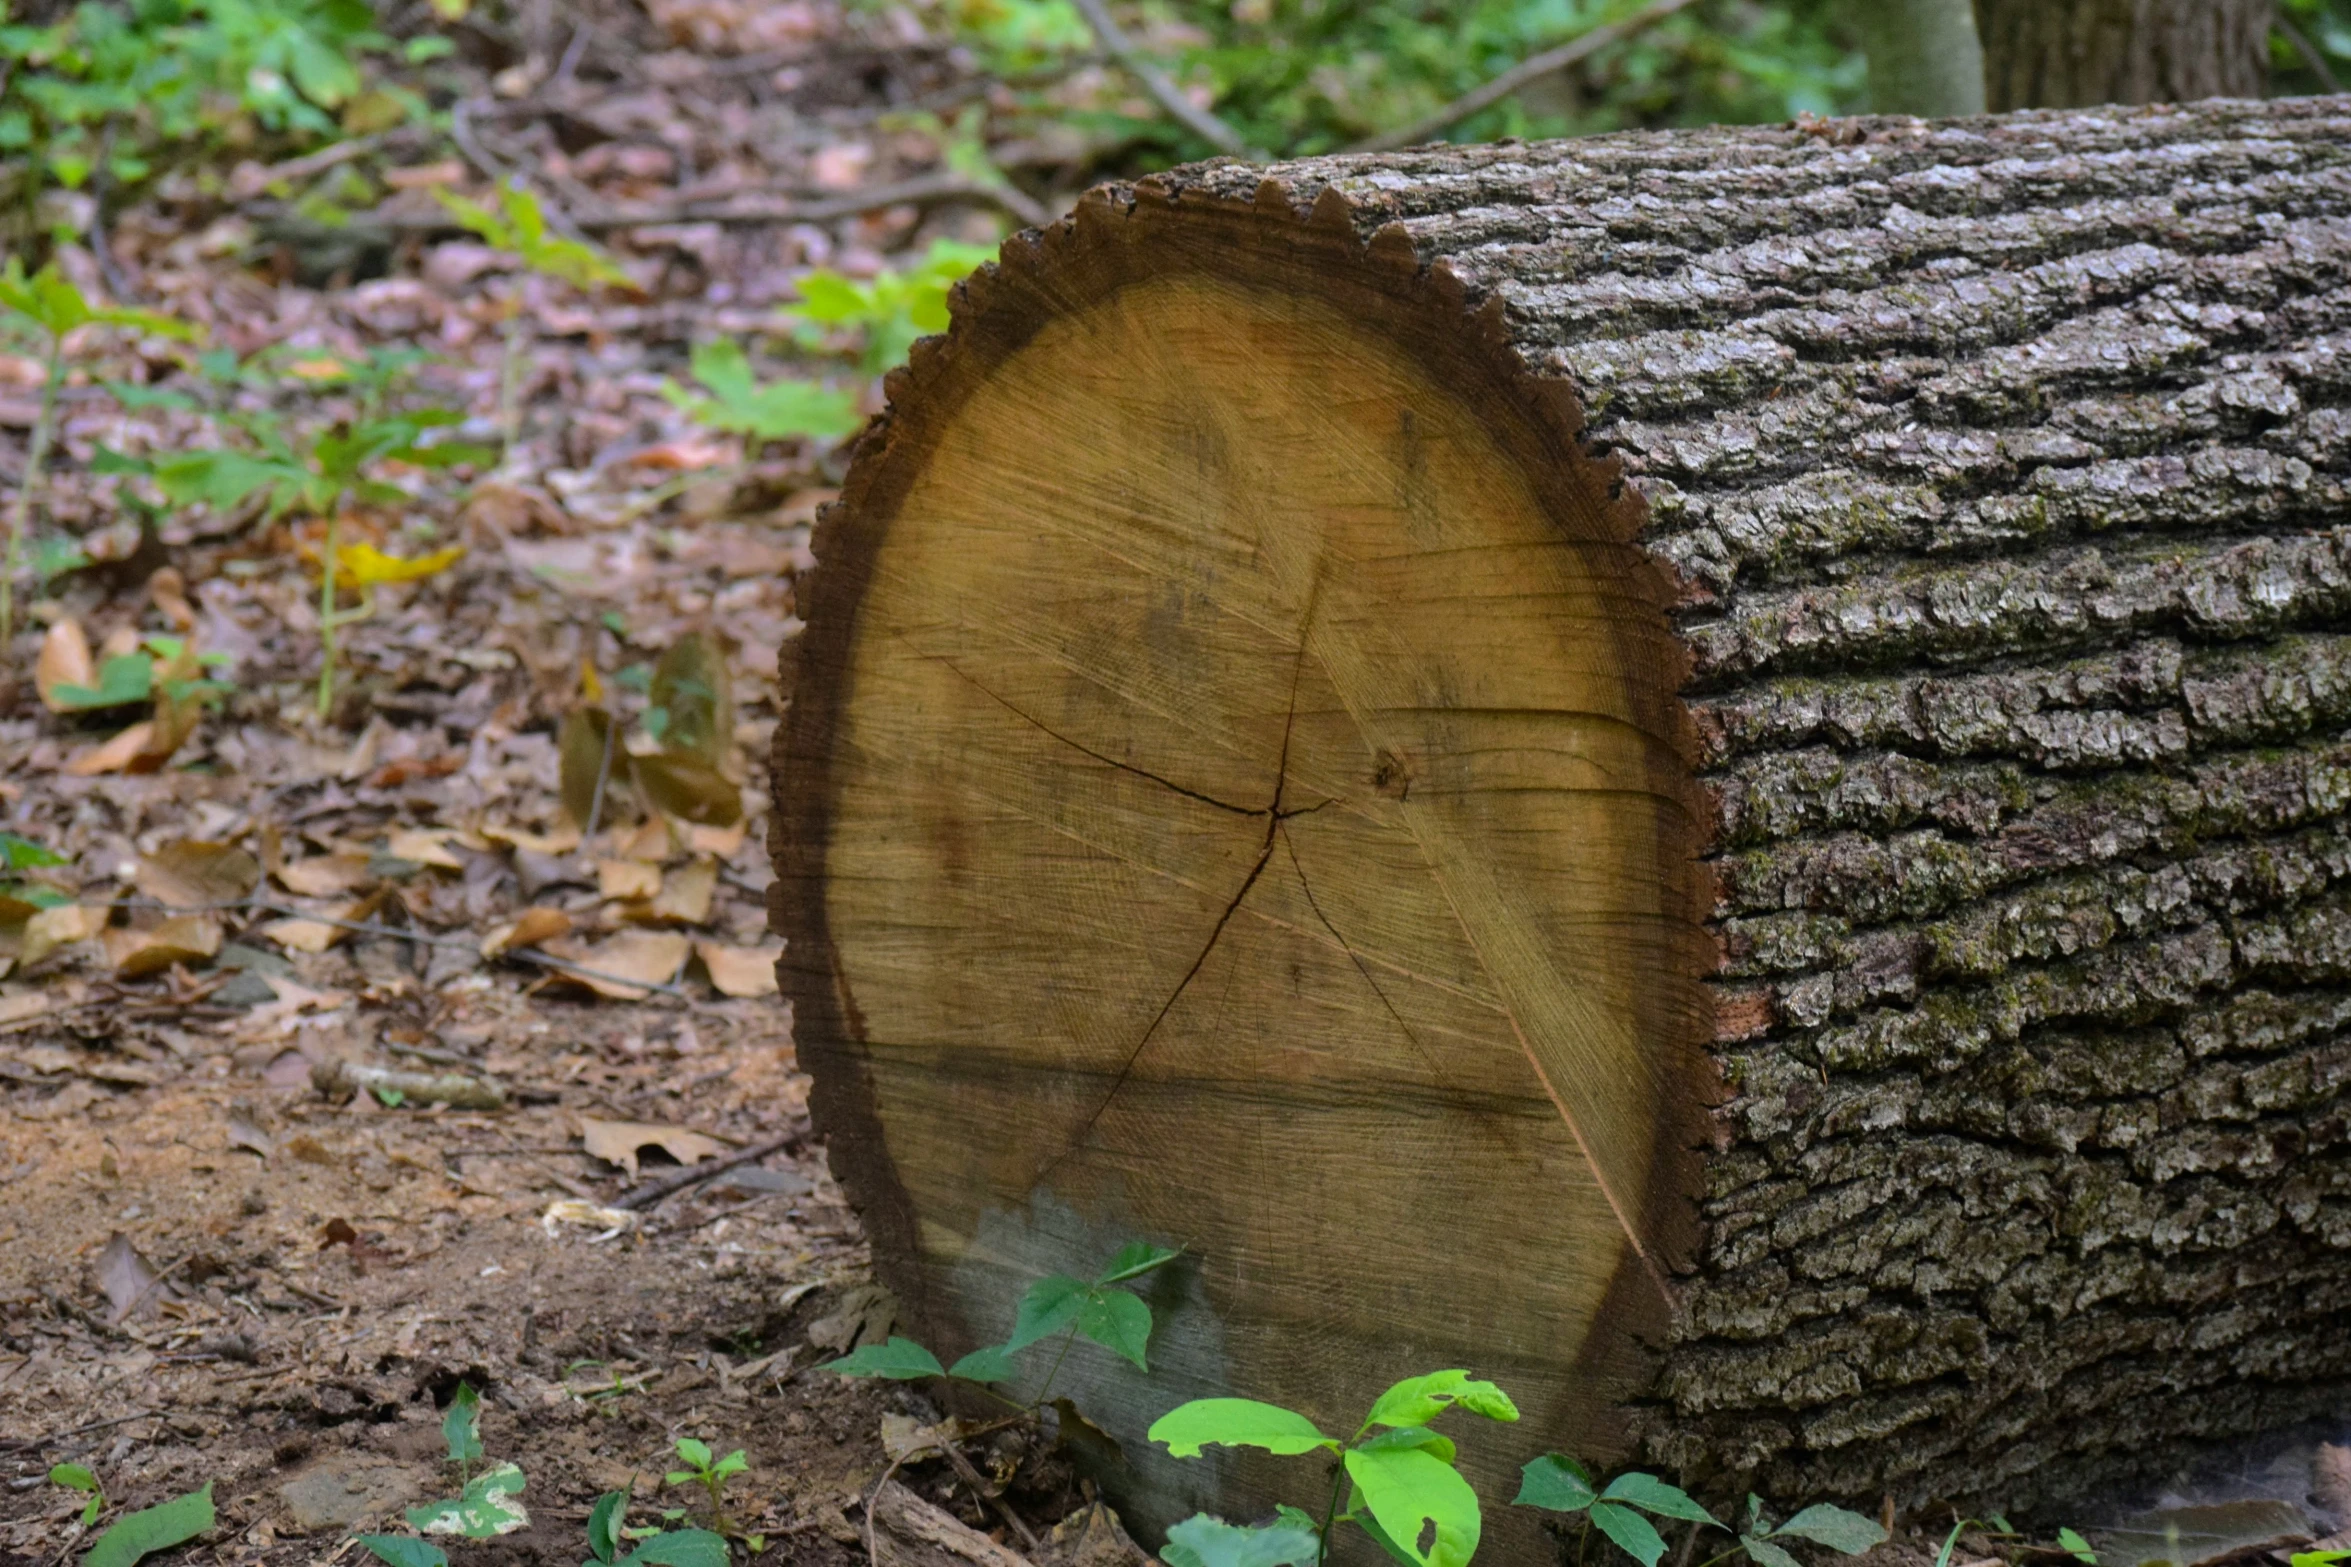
(2066, 54)
(2004, 469)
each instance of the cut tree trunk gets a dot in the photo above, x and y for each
(1704, 773)
(2066, 54)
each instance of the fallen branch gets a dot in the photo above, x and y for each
(1533, 68)
(638, 1198)
(1200, 122)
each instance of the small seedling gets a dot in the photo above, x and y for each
(519, 227)
(488, 1503)
(76, 1478)
(55, 310)
(2304, 1558)
(1994, 1525)
(401, 1550)
(669, 1548)
(711, 1475)
(782, 410)
(1395, 1475)
(1557, 1483)
(2078, 1548)
(21, 899)
(890, 309)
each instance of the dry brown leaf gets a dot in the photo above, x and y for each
(740, 971)
(425, 846)
(65, 661)
(651, 842)
(720, 841)
(690, 788)
(561, 841)
(684, 898)
(131, 1283)
(116, 755)
(168, 591)
(192, 874)
(531, 928)
(618, 1142)
(326, 875)
(624, 964)
(627, 879)
(588, 746)
(185, 938)
(32, 1003)
(320, 935)
(61, 926)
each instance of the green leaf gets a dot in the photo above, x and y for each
(1049, 1306)
(122, 680)
(2079, 1549)
(1651, 1494)
(1202, 1541)
(1135, 1259)
(1410, 1489)
(23, 854)
(1557, 1482)
(733, 1464)
(153, 1529)
(1236, 1422)
(1636, 1534)
(900, 1360)
(693, 1452)
(680, 1548)
(401, 1550)
(1118, 1321)
(604, 1520)
(1416, 1401)
(461, 1427)
(484, 1509)
(1765, 1554)
(2315, 1558)
(1834, 1527)
(1408, 1437)
(992, 1364)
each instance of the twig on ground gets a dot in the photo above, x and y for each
(36, 1443)
(651, 1192)
(979, 1487)
(1533, 68)
(1200, 122)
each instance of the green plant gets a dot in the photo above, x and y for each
(778, 411)
(689, 714)
(1395, 1474)
(400, 1550)
(519, 227)
(21, 899)
(669, 1548)
(55, 310)
(2307, 1558)
(892, 308)
(2078, 1548)
(1099, 1309)
(1557, 1483)
(1995, 1525)
(711, 1475)
(487, 1504)
(73, 1476)
(158, 1528)
(319, 475)
(128, 678)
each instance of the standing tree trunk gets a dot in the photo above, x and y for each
(1704, 772)
(2066, 54)
(1924, 57)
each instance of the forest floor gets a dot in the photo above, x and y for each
(212, 1268)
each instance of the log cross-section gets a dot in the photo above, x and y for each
(1703, 772)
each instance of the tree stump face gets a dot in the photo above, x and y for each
(1251, 820)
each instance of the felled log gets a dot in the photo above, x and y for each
(1702, 772)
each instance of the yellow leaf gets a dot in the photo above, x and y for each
(364, 566)
(323, 368)
(739, 971)
(627, 879)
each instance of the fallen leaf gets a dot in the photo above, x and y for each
(425, 846)
(194, 874)
(131, 1283)
(618, 1142)
(570, 1210)
(624, 964)
(321, 935)
(740, 971)
(588, 747)
(690, 787)
(651, 842)
(724, 842)
(64, 661)
(167, 590)
(309, 1149)
(61, 926)
(627, 879)
(562, 841)
(693, 693)
(185, 938)
(532, 927)
(114, 755)
(326, 875)
(243, 1133)
(684, 898)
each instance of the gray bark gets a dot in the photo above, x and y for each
(2005, 468)
(2062, 54)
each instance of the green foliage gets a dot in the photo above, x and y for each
(711, 1475)
(2079, 1549)
(2299, 1558)
(891, 309)
(1399, 1478)
(461, 1428)
(134, 83)
(312, 474)
(1557, 1483)
(158, 1528)
(129, 678)
(671, 1548)
(2323, 25)
(782, 410)
(1097, 1309)
(519, 226)
(1202, 1541)
(486, 1508)
(50, 304)
(400, 1550)
(73, 1476)
(1846, 1532)
(21, 854)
